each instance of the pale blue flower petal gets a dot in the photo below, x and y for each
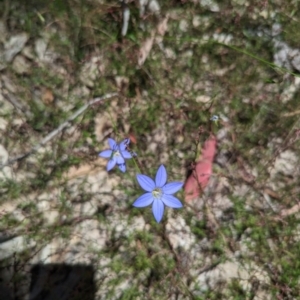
(122, 167)
(171, 201)
(158, 209)
(146, 182)
(120, 160)
(161, 176)
(214, 118)
(126, 154)
(105, 153)
(172, 187)
(111, 163)
(124, 144)
(144, 200)
(112, 144)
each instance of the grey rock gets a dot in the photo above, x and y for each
(295, 59)
(14, 45)
(233, 270)
(92, 70)
(20, 65)
(210, 4)
(15, 245)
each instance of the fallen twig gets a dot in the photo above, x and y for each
(290, 211)
(61, 127)
(291, 114)
(16, 103)
(126, 17)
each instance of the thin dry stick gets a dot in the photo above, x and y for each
(17, 105)
(290, 211)
(291, 114)
(126, 17)
(61, 127)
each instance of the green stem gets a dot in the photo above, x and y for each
(237, 49)
(114, 125)
(137, 166)
(272, 65)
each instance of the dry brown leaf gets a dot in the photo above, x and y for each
(47, 96)
(200, 176)
(146, 48)
(87, 169)
(290, 211)
(163, 26)
(156, 35)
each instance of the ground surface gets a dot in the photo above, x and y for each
(179, 63)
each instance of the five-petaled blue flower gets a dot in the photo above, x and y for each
(116, 154)
(159, 193)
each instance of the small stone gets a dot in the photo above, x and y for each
(3, 155)
(295, 59)
(286, 163)
(40, 48)
(15, 44)
(203, 99)
(138, 224)
(223, 38)
(209, 4)
(276, 29)
(28, 52)
(196, 21)
(264, 13)
(21, 65)
(122, 82)
(183, 25)
(44, 54)
(281, 54)
(179, 233)
(3, 124)
(153, 6)
(16, 245)
(91, 70)
(170, 53)
(9, 84)
(290, 91)
(5, 106)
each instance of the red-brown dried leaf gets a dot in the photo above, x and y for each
(199, 178)
(132, 138)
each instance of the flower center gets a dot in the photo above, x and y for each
(116, 153)
(156, 193)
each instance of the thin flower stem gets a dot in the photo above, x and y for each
(114, 125)
(136, 165)
(214, 127)
(198, 150)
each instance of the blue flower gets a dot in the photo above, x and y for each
(214, 118)
(159, 193)
(116, 154)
